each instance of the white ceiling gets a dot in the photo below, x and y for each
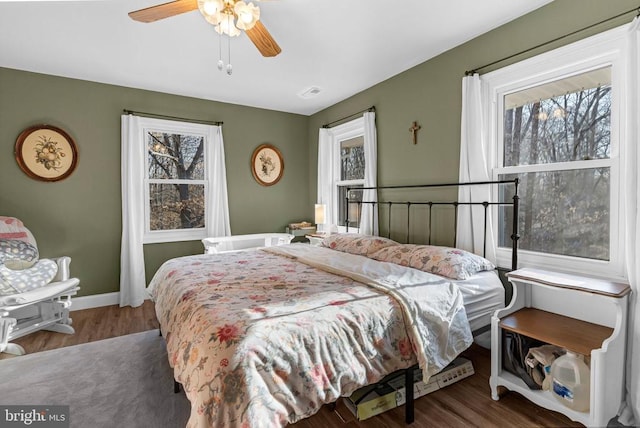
(340, 46)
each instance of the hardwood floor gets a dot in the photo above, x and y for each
(466, 403)
(91, 325)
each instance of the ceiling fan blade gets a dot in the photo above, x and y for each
(263, 40)
(164, 10)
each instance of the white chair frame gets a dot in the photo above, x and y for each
(45, 308)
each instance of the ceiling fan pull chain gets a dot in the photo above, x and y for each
(220, 61)
(229, 66)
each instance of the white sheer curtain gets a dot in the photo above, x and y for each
(217, 209)
(132, 271)
(476, 164)
(369, 213)
(132, 275)
(630, 414)
(325, 176)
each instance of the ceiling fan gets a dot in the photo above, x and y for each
(228, 17)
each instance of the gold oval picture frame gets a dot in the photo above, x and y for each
(46, 153)
(267, 164)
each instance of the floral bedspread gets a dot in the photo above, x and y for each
(259, 339)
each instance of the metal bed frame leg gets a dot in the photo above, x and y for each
(409, 416)
(176, 385)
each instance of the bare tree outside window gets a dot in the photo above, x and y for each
(565, 208)
(352, 165)
(176, 181)
(352, 159)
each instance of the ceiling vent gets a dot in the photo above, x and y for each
(310, 92)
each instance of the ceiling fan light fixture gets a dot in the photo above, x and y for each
(248, 15)
(227, 16)
(227, 26)
(214, 19)
(210, 9)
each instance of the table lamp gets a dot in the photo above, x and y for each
(320, 217)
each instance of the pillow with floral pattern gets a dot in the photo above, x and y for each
(354, 243)
(444, 261)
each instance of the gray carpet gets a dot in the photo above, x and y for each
(125, 381)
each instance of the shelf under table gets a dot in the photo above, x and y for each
(575, 335)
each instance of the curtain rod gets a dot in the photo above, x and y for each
(475, 70)
(330, 124)
(163, 116)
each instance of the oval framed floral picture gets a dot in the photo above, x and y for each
(46, 153)
(267, 164)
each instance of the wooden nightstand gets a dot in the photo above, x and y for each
(585, 315)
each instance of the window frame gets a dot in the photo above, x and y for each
(595, 52)
(346, 131)
(172, 127)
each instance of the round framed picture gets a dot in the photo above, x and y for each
(267, 165)
(46, 153)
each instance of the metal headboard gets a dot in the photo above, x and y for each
(455, 204)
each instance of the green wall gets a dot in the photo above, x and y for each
(81, 215)
(431, 92)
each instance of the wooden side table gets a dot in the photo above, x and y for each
(585, 315)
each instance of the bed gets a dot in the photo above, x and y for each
(266, 337)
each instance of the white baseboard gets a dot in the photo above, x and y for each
(95, 301)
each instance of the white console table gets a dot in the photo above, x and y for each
(226, 244)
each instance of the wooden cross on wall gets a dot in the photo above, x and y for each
(414, 132)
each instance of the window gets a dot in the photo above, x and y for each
(349, 165)
(174, 188)
(560, 148)
(351, 175)
(176, 180)
(347, 159)
(556, 128)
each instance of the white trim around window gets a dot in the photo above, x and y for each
(340, 133)
(171, 127)
(605, 49)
